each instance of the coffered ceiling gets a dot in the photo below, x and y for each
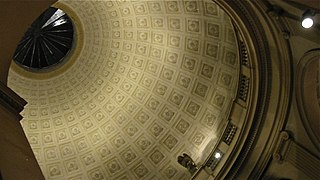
(151, 80)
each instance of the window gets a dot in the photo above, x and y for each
(46, 42)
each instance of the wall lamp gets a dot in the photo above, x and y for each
(308, 18)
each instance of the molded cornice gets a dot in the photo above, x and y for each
(269, 74)
(11, 101)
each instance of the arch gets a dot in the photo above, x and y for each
(263, 115)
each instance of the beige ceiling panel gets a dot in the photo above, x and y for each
(153, 79)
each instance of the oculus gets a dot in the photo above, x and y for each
(47, 41)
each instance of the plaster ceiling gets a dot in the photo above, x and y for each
(153, 80)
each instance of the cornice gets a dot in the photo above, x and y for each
(11, 101)
(267, 60)
(261, 48)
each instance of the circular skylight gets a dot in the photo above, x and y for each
(46, 42)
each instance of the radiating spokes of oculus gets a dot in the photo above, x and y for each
(47, 41)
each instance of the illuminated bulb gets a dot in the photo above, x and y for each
(307, 23)
(217, 155)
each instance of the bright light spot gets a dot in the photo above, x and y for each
(217, 155)
(307, 23)
(59, 22)
(59, 13)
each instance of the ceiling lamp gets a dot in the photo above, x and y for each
(307, 18)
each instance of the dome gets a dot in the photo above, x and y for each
(147, 81)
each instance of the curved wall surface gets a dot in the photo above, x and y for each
(146, 82)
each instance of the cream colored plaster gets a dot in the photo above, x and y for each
(154, 79)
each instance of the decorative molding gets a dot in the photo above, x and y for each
(258, 34)
(288, 150)
(243, 87)
(11, 100)
(244, 59)
(283, 143)
(256, 41)
(229, 133)
(303, 160)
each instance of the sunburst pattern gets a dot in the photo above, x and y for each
(46, 42)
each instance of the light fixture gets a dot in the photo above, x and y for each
(217, 155)
(307, 18)
(214, 159)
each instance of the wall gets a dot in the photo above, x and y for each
(17, 160)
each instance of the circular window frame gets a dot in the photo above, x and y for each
(70, 58)
(44, 44)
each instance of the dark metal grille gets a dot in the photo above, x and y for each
(46, 42)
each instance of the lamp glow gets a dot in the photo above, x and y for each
(307, 18)
(307, 23)
(217, 155)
